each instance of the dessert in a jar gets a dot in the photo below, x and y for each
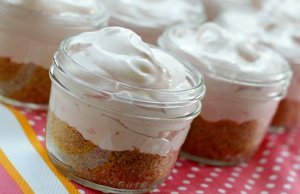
(30, 32)
(119, 110)
(244, 81)
(277, 25)
(149, 18)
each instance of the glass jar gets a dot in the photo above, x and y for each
(149, 18)
(241, 98)
(107, 138)
(30, 33)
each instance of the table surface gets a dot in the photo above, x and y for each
(274, 168)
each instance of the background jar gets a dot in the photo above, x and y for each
(106, 139)
(148, 21)
(236, 112)
(28, 39)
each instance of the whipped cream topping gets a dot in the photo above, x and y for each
(227, 54)
(57, 7)
(101, 66)
(119, 54)
(31, 30)
(155, 14)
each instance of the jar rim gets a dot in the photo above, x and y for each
(193, 94)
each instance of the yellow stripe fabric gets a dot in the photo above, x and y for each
(23, 185)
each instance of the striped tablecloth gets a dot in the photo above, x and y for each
(25, 167)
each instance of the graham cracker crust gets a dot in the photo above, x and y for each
(28, 83)
(287, 115)
(224, 141)
(130, 169)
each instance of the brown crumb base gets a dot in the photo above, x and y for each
(129, 169)
(26, 83)
(224, 141)
(288, 114)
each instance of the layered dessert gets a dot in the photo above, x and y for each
(30, 32)
(149, 18)
(277, 25)
(119, 110)
(245, 82)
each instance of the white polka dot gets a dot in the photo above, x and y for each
(244, 165)
(287, 186)
(81, 191)
(218, 169)
(195, 169)
(199, 192)
(228, 185)
(208, 180)
(285, 153)
(259, 169)
(186, 182)
(163, 185)
(178, 164)
(270, 144)
(182, 188)
(191, 176)
(238, 169)
(256, 176)
(264, 192)
(204, 185)
(170, 178)
(174, 170)
(279, 160)
(266, 153)
(31, 122)
(244, 192)
(41, 138)
(248, 187)
(273, 177)
(263, 161)
(235, 174)
(174, 192)
(270, 185)
(276, 168)
(221, 191)
(156, 190)
(290, 179)
(38, 117)
(296, 166)
(251, 182)
(214, 174)
(231, 179)
(293, 173)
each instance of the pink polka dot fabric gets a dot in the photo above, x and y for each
(275, 168)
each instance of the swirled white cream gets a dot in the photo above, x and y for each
(31, 30)
(120, 55)
(149, 18)
(232, 65)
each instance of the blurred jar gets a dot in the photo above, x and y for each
(149, 18)
(245, 82)
(277, 26)
(30, 32)
(119, 110)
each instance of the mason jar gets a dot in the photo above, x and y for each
(105, 129)
(30, 33)
(149, 18)
(245, 82)
(276, 25)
